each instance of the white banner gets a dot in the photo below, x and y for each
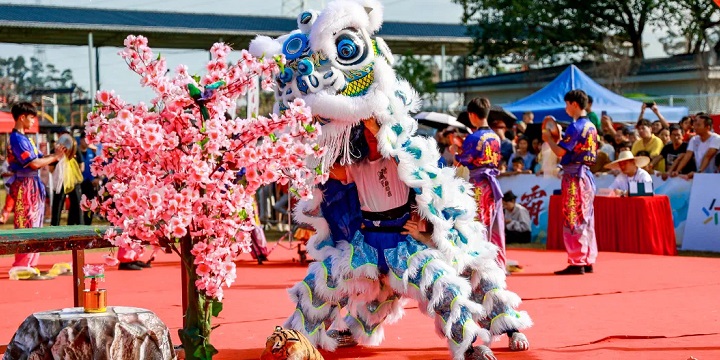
(533, 192)
(703, 224)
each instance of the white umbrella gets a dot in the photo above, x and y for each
(438, 120)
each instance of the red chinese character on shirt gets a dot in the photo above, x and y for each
(533, 202)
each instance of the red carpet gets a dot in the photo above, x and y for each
(634, 306)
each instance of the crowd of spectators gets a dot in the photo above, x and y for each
(675, 149)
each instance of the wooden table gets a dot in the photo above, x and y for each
(76, 238)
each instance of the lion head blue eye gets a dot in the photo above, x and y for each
(305, 67)
(286, 75)
(346, 49)
(305, 17)
(351, 46)
(294, 46)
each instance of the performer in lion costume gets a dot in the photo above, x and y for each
(372, 247)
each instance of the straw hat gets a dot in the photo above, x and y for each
(640, 161)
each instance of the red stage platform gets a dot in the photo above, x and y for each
(633, 307)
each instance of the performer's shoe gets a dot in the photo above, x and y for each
(129, 266)
(142, 264)
(519, 342)
(588, 269)
(572, 270)
(481, 352)
(344, 338)
(60, 269)
(27, 273)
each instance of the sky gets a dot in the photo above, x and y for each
(114, 74)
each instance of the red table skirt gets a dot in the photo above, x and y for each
(641, 225)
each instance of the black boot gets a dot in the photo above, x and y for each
(572, 270)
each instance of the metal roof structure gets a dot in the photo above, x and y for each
(35, 24)
(647, 69)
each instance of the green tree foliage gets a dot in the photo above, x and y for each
(33, 74)
(19, 76)
(419, 72)
(692, 26)
(542, 32)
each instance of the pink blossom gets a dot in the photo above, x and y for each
(203, 269)
(110, 260)
(93, 270)
(164, 177)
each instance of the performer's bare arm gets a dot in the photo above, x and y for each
(338, 172)
(560, 152)
(47, 160)
(413, 229)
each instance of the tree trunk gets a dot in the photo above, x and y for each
(195, 335)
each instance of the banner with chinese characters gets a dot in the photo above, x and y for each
(703, 225)
(533, 192)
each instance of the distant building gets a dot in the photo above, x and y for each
(678, 80)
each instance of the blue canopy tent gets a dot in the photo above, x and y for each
(550, 101)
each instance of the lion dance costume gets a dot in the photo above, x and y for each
(364, 264)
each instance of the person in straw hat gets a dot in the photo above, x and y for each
(631, 169)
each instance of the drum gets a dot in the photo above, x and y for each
(551, 125)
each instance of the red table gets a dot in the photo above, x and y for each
(641, 225)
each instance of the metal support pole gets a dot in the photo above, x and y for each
(91, 68)
(442, 75)
(55, 109)
(97, 74)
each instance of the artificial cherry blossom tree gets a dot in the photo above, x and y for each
(179, 171)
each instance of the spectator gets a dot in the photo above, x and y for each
(517, 220)
(506, 138)
(536, 146)
(67, 178)
(631, 170)
(686, 124)
(658, 124)
(625, 146)
(527, 119)
(648, 142)
(522, 152)
(89, 185)
(608, 146)
(502, 167)
(673, 152)
(633, 136)
(649, 166)
(622, 135)
(664, 136)
(547, 161)
(8, 206)
(518, 166)
(656, 127)
(607, 125)
(592, 115)
(703, 146)
(602, 159)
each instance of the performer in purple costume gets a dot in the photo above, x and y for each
(578, 151)
(481, 155)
